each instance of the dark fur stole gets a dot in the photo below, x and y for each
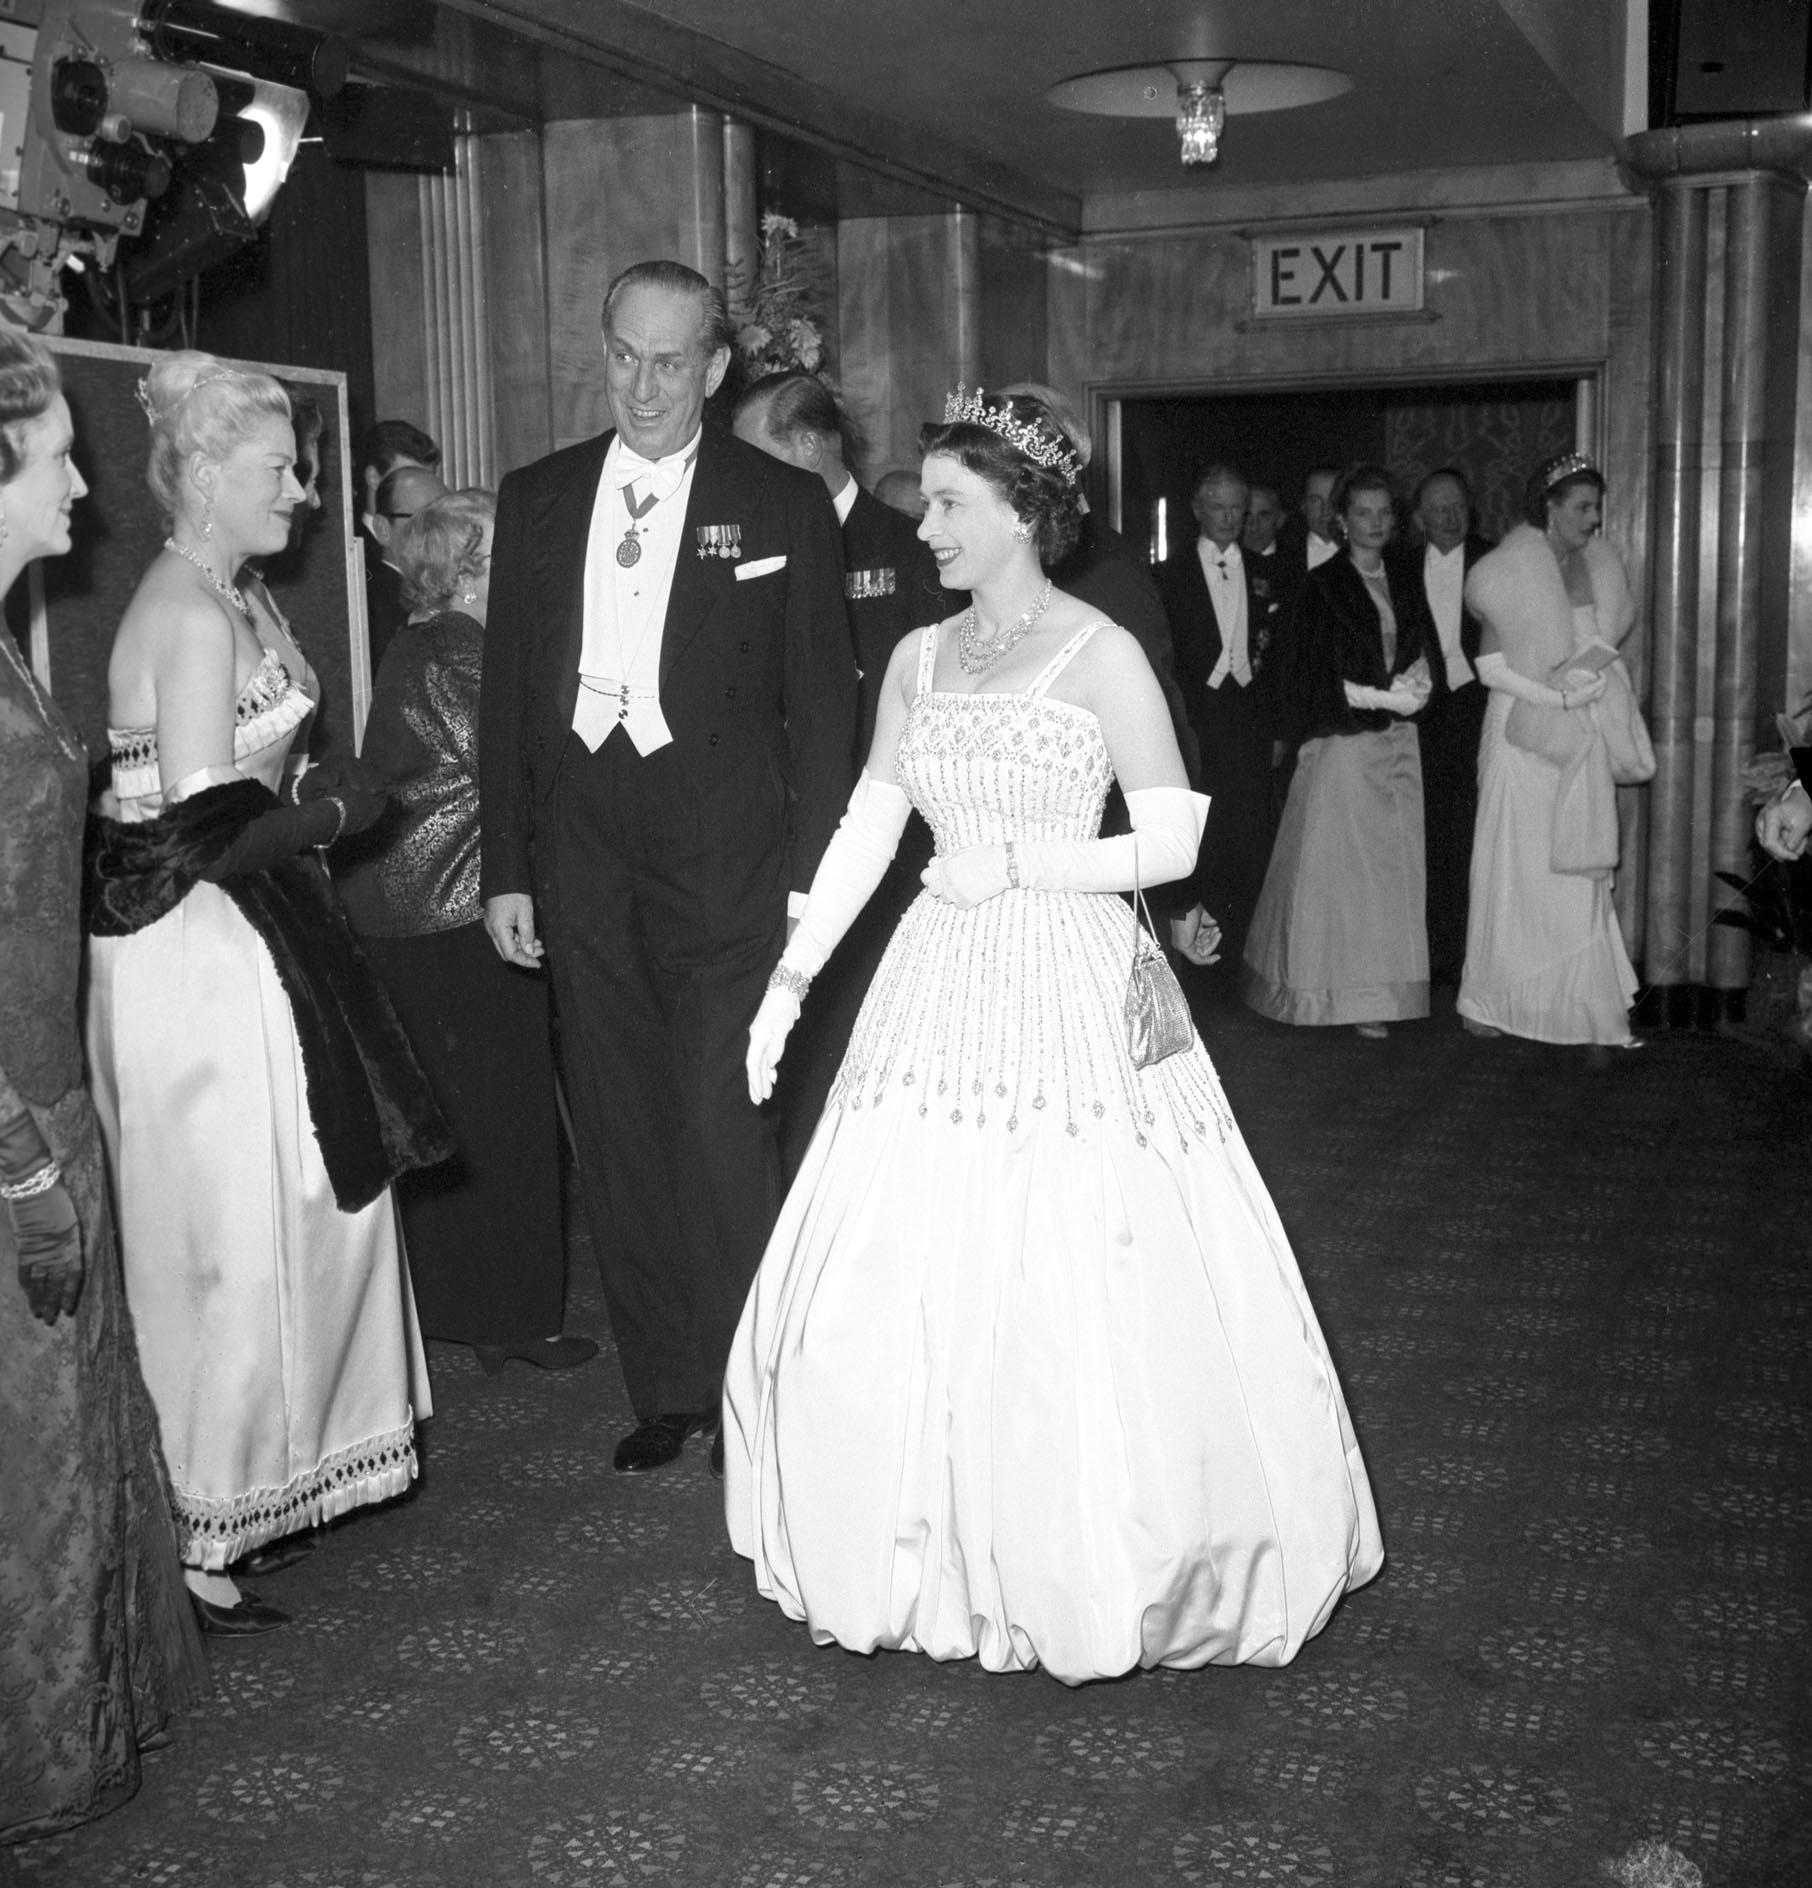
(373, 1114)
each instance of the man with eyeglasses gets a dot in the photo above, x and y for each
(400, 494)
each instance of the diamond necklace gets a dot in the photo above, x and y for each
(227, 592)
(977, 653)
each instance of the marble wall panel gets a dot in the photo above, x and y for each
(618, 191)
(909, 319)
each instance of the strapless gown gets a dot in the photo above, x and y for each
(277, 1333)
(1028, 1372)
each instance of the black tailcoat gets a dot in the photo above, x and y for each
(1234, 728)
(1449, 729)
(660, 883)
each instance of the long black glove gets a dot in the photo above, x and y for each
(286, 830)
(45, 1225)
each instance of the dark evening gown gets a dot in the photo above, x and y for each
(97, 1641)
(483, 1231)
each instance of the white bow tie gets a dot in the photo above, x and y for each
(659, 476)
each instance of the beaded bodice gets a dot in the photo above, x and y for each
(988, 767)
(1009, 1015)
(266, 714)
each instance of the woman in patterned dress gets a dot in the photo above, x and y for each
(254, 1087)
(97, 1645)
(1028, 1372)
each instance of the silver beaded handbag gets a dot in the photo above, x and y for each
(1158, 1023)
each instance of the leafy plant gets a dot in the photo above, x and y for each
(1779, 900)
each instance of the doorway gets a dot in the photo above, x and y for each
(1496, 431)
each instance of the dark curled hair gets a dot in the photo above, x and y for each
(29, 381)
(1539, 496)
(1038, 494)
(1364, 478)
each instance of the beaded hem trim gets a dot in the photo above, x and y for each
(221, 1529)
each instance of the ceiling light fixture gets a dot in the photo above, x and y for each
(1201, 112)
(1202, 93)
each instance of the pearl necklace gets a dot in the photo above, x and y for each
(227, 592)
(976, 653)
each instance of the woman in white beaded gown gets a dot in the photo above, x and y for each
(1028, 1372)
(253, 1087)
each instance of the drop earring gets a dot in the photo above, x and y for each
(1023, 530)
(4, 531)
(207, 516)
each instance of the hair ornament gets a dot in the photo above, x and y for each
(1025, 436)
(1566, 465)
(155, 413)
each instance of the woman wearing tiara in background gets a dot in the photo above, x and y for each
(1028, 1372)
(256, 1093)
(1545, 958)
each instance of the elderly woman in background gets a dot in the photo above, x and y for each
(1340, 935)
(97, 1644)
(255, 1089)
(1544, 956)
(483, 1231)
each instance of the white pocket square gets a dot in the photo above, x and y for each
(759, 567)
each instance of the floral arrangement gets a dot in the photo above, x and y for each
(1654, 1865)
(776, 318)
(1768, 776)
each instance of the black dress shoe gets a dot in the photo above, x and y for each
(274, 1556)
(658, 1441)
(550, 1353)
(249, 1616)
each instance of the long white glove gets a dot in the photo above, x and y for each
(1166, 833)
(1496, 673)
(854, 863)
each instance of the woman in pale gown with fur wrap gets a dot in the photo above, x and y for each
(1544, 956)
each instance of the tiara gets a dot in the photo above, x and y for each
(1564, 467)
(155, 413)
(1026, 435)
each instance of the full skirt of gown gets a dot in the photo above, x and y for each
(1545, 956)
(1340, 934)
(1028, 1373)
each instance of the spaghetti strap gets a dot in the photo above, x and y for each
(1062, 659)
(927, 657)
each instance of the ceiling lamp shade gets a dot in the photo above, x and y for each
(1202, 93)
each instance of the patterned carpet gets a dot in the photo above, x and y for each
(1573, 1311)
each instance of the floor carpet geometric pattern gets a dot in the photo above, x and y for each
(1572, 1309)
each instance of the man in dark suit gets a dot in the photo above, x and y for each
(890, 588)
(890, 581)
(1450, 726)
(387, 448)
(664, 741)
(1226, 617)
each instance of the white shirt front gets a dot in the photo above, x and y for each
(1444, 582)
(1320, 549)
(1226, 577)
(626, 604)
(844, 502)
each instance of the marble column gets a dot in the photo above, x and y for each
(1707, 712)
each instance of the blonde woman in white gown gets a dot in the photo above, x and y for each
(1028, 1373)
(258, 1236)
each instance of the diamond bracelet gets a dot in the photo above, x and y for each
(794, 982)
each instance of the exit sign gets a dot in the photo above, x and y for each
(1311, 276)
